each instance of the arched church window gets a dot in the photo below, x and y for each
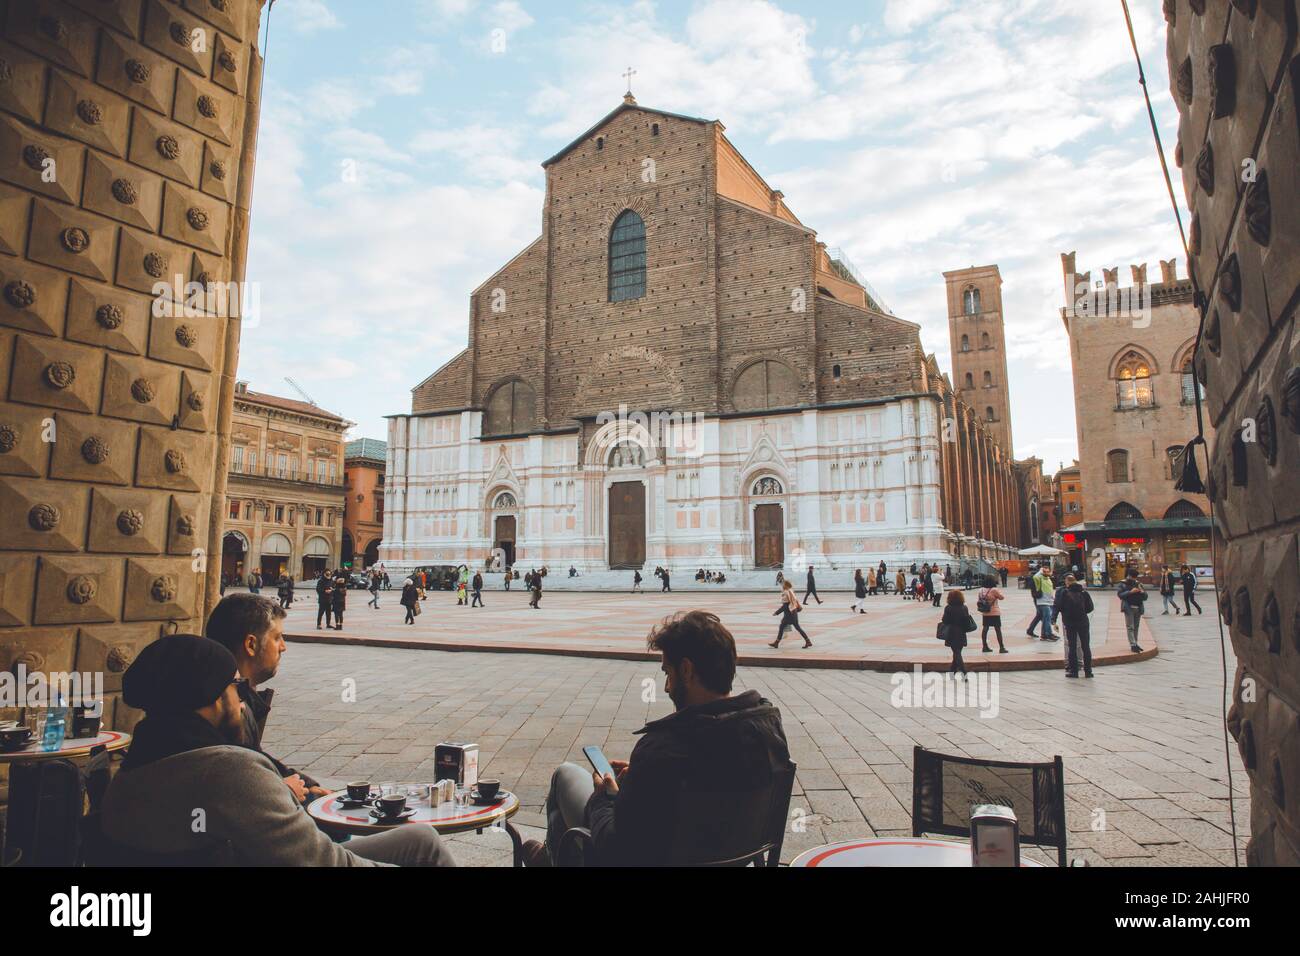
(627, 258)
(988, 379)
(510, 409)
(971, 301)
(504, 500)
(1133, 382)
(768, 486)
(765, 384)
(988, 414)
(965, 343)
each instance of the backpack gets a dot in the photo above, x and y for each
(982, 603)
(46, 801)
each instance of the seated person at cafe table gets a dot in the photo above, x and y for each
(251, 627)
(711, 737)
(188, 784)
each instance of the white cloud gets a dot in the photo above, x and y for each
(307, 16)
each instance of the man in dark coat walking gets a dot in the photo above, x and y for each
(812, 587)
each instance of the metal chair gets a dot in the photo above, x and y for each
(698, 842)
(944, 788)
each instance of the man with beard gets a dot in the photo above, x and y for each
(713, 743)
(251, 627)
(188, 786)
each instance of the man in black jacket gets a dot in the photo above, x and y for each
(727, 752)
(1073, 603)
(812, 587)
(251, 627)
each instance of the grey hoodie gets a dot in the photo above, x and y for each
(213, 795)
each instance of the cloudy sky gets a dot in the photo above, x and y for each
(401, 142)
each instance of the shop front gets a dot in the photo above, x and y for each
(1141, 548)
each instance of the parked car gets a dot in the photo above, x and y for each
(442, 577)
(358, 582)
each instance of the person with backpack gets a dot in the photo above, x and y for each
(789, 611)
(1167, 590)
(988, 603)
(476, 584)
(1131, 599)
(1073, 603)
(859, 592)
(1189, 589)
(953, 628)
(1044, 596)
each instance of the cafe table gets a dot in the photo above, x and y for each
(896, 851)
(110, 740)
(334, 814)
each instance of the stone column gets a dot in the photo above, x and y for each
(1234, 74)
(126, 160)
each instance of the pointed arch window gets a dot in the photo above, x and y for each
(1133, 382)
(627, 257)
(971, 301)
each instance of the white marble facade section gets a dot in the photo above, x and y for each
(854, 485)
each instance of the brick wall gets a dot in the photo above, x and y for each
(1235, 76)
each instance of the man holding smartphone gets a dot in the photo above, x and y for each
(731, 748)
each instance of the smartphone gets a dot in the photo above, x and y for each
(599, 763)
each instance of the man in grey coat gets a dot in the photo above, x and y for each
(187, 785)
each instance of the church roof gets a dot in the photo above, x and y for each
(369, 448)
(629, 103)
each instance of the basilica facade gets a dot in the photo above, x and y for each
(676, 372)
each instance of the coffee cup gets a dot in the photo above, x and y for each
(392, 804)
(15, 738)
(358, 791)
(488, 789)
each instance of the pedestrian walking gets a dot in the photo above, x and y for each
(1074, 604)
(509, 575)
(1131, 599)
(989, 603)
(1044, 596)
(667, 580)
(477, 584)
(1167, 590)
(462, 586)
(812, 587)
(789, 611)
(859, 592)
(900, 583)
(871, 581)
(636, 582)
(936, 586)
(536, 587)
(1189, 590)
(410, 600)
(324, 600)
(375, 581)
(955, 624)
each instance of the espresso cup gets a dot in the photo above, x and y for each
(391, 805)
(359, 790)
(487, 789)
(15, 738)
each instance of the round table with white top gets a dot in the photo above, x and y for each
(891, 851)
(335, 813)
(110, 740)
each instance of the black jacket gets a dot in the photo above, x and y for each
(1131, 599)
(957, 623)
(321, 596)
(257, 706)
(724, 754)
(1074, 604)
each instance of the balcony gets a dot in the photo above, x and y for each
(288, 475)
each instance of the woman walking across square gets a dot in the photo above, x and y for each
(954, 627)
(789, 611)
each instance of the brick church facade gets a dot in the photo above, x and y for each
(677, 373)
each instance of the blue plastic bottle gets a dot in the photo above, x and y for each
(56, 726)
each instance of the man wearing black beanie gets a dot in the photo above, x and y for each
(187, 785)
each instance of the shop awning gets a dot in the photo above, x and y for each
(1143, 524)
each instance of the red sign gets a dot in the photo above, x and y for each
(1068, 537)
(1120, 542)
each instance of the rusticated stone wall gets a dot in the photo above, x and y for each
(1235, 75)
(127, 130)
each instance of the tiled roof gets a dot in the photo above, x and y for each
(371, 448)
(288, 404)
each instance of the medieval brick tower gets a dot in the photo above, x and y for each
(979, 353)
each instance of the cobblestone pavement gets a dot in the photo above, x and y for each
(1142, 743)
(892, 630)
